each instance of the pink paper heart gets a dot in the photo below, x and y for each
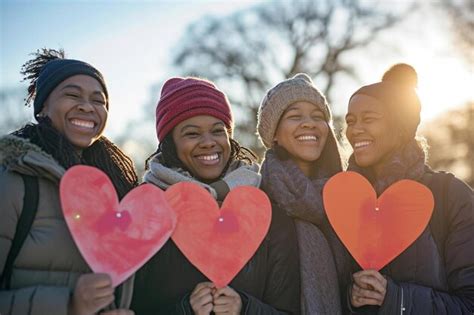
(114, 238)
(219, 242)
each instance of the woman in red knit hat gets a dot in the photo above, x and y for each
(194, 127)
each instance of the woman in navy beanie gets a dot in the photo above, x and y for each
(44, 273)
(434, 275)
(194, 126)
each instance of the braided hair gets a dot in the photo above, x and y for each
(102, 154)
(170, 159)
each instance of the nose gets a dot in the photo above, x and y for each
(207, 141)
(308, 122)
(86, 106)
(355, 129)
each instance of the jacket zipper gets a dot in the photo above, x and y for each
(402, 307)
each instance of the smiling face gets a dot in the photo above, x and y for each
(370, 132)
(203, 146)
(77, 109)
(302, 132)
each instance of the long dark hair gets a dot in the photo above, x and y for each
(169, 155)
(102, 154)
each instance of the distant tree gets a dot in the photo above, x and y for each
(253, 49)
(461, 13)
(138, 138)
(451, 142)
(14, 113)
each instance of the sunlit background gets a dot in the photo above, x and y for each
(246, 47)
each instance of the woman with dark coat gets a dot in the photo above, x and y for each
(434, 275)
(49, 275)
(194, 127)
(295, 125)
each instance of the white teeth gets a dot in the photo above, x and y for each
(83, 123)
(209, 157)
(361, 144)
(306, 138)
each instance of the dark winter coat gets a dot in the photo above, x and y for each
(421, 280)
(268, 284)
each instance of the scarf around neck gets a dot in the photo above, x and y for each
(406, 163)
(320, 252)
(292, 190)
(238, 173)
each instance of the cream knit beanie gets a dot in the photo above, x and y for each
(280, 97)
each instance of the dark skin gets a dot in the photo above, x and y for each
(374, 139)
(77, 109)
(203, 146)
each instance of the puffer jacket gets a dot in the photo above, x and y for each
(268, 284)
(48, 265)
(420, 279)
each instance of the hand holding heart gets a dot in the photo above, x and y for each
(201, 298)
(369, 288)
(206, 298)
(227, 301)
(93, 292)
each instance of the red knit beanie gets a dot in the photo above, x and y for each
(183, 98)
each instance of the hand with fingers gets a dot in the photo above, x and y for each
(369, 288)
(227, 301)
(201, 298)
(93, 292)
(118, 312)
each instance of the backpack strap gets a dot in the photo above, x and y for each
(28, 213)
(438, 183)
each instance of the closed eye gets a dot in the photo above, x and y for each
(369, 119)
(99, 101)
(294, 117)
(218, 131)
(191, 134)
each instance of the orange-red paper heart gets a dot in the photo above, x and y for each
(376, 230)
(219, 242)
(114, 238)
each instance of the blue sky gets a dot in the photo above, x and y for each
(131, 43)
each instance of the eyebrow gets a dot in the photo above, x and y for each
(77, 87)
(365, 112)
(198, 127)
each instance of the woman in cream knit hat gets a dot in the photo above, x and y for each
(294, 124)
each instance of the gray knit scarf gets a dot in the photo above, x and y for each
(301, 198)
(238, 174)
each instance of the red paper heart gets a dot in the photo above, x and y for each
(219, 242)
(375, 231)
(114, 238)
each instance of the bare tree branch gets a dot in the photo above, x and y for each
(258, 47)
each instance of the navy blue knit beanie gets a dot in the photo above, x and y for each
(56, 71)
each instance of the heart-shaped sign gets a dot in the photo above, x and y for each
(114, 238)
(219, 242)
(376, 230)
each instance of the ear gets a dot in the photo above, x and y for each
(44, 110)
